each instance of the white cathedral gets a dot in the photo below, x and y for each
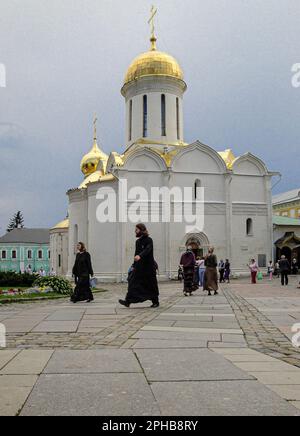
(237, 190)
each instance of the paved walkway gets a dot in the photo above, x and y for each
(224, 355)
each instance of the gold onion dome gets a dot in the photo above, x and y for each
(153, 63)
(95, 159)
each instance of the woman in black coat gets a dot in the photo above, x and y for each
(82, 271)
(142, 279)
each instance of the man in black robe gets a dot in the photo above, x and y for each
(142, 279)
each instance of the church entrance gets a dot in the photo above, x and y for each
(198, 249)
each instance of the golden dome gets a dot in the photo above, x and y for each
(153, 63)
(91, 160)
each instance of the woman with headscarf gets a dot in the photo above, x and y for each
(82, 271)
(188, 262)
(211, 273)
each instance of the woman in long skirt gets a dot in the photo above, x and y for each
(211, 273)
(82, 271)
(188, 262)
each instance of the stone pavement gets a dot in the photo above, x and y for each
(193, 356)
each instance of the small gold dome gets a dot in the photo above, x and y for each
(153, 63)
(91, 160)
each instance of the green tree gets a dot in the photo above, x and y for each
(17, 222)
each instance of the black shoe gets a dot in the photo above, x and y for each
(209, 294)
(124, 303)
(155, 306)
(216, 293)
(89, 301)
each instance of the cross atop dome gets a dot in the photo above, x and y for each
(153, 38)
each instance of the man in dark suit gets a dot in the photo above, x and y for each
(284, 266)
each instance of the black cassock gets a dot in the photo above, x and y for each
(142, 280)
(82, 271)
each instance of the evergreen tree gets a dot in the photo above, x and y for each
(17, 222)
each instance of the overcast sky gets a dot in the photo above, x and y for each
(66, 59)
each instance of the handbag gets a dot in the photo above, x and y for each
(260, 276)
(93, 282)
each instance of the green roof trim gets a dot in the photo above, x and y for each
(285, 221)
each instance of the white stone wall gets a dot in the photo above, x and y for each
(59, 246)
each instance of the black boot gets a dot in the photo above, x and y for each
(155, 305)
(124, 303)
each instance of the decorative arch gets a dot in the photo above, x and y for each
(159, 163)
(215, 157)
(257, 164)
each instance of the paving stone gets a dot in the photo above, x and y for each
(290, 393)
(57, 326)
(28, 362)
(277, 378)
(92, 361)
(192, 330)
(191, 336)
(91, 395)
(193, 364)
(222, 398)
(165, 344)
(226, 345)
(66, 316)
(6, 356)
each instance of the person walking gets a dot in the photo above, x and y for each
(82, 271)
(227, 271)
(142, 279)
(270, 270)
(253, 267)
(295, 267)
(284, 266)
(222, 270)
(201, 272)
(211, 273)
(188, 262)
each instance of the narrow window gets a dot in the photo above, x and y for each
(130, 120)
(145, 117)
(14, 254)
(163, 115)
(249, 226)
(59, 260)
(29, 254)
(197, 193)
(40, 254)
(3, 254)
(177, 118)
(49, 254)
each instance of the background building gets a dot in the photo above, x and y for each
(59, 245)
(22, 247)
(286, 238)
(287, 204)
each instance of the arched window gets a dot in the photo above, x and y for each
(14, 254)
(29, 254)
(130, 121)
(177, 118)
(197, 191)
(145, 116)
(40, 254)
(249, 227)
(163, 115)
